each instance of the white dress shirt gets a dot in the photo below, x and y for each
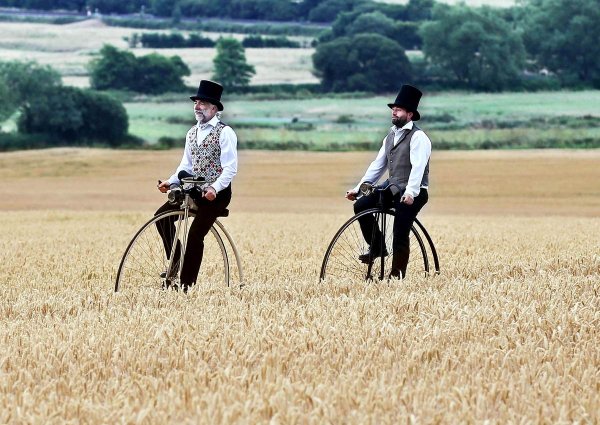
(228, 143)
(420, 151)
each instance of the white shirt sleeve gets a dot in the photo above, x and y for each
(229, 160)
(376, 169)
(420, 151)
(186, 161)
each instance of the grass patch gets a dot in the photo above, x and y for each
(478, 121)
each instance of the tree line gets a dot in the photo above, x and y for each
(50, 114)
(542, 44)
(262, 10)
(157, 40)
(538, 44)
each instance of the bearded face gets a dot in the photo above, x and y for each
(400, 116)
(399, 121)
(204, 111)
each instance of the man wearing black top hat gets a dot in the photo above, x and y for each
(405, 155)
(210, 152)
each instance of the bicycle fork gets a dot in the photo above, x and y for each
(379, 217)
(176, 240)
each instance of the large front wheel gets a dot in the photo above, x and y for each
(145, 261)
(341, 259)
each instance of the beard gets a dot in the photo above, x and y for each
(200, 116)
(399, 122)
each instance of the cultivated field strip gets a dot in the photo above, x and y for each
(508, 183)
(508, 333)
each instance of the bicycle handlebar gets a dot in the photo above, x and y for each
(193, 180)
(366, 188)
(177, 192)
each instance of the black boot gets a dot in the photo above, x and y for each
(399, 265)
(370, 256)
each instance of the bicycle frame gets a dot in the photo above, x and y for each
(338, 259)
(381, 222)
(185, 206)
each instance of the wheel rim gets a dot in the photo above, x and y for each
(341, 259)
(145, 258)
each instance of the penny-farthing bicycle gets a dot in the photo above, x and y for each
(342, 261)
(146, 263)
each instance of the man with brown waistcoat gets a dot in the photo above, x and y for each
(210, 152)
(405, 155)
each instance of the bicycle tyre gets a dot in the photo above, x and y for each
(144, 258)
(341, 258)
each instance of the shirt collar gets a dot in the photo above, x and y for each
(213, 123)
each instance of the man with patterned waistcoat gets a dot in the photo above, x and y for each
(210, 152)
(405, 155)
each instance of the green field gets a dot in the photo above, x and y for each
(464, 120)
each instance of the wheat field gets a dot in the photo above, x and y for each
(508, 333)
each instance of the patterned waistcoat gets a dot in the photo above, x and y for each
(206, 154)
(398, 160)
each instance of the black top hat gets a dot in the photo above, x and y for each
(211, 92)
(408, 98)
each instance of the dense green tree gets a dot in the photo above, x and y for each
(374, 22)
(204, 8)
(163, 41)
(563, 36)
(230, 66)
(104, 6)
(104, 118)
(24, 82)
(114, 69)
(262, 42)
(419, 10)
(328, 10)
(475, 46)
(274, 10)
(197, 40)
(45, 4)
(158, 74)
(6, 109)
(367, 62)
(305, 6)
(73, 115)
(163, 7)
(121, 70)
(115, 6)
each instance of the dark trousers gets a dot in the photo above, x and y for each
(403, 221)
(206, 214)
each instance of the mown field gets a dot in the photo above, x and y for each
(508, 333)
(69, 49)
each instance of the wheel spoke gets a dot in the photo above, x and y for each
(341, 259)
(145, 258)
